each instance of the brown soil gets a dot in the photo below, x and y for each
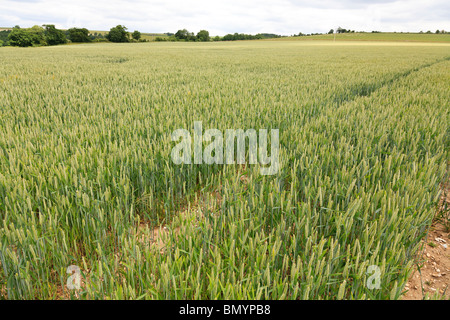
(432, 273)
(154, 235)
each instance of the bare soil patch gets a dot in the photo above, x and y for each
(432, 273)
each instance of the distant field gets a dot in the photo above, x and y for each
(153, 36)
(385, 36)
(146, 36)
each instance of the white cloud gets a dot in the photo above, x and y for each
(229, 16)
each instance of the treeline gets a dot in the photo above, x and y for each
(35, 36)
(48, 35)
(343, 30)
(185, 35)
(203, 36)
(243, 36)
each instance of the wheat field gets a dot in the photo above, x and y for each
(86, 176)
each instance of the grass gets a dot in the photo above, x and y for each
(86, 175)
(144, 35)
(383, 36)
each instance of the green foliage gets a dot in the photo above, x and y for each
(242, 36)
(185, 35)
(118, 34)
(26, 37)
(203, 36)
(79, 35)
(136, 35)
(99, 39)
(54, 36)
(36, 36)
(268, 35)
(342, 30)
(4, 36)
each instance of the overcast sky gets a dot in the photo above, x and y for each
(219, 17)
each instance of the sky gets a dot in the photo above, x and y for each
(219, 17)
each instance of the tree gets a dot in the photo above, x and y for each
(26, 37)
(118, 34)
(38, 35)
(331, 31)
(136, 35)
(183, 34)
(342, 30)
(203, 35)
(191, 37)
(54, 36)
(4, 36)
(79, 35)
(20, 38)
